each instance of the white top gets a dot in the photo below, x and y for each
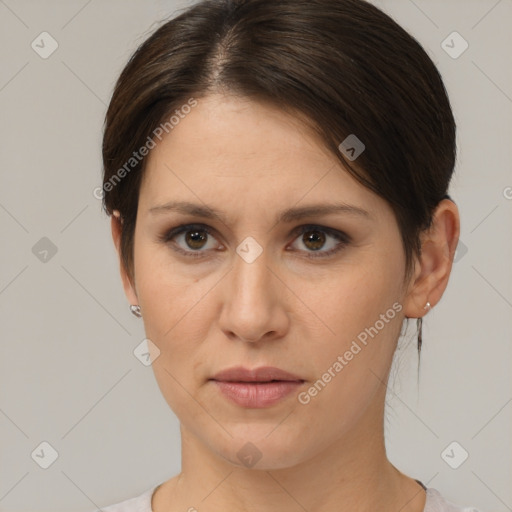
(434, 503)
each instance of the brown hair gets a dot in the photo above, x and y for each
(343, 66)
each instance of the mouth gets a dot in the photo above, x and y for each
(257, 388)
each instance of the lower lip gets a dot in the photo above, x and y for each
(257, 394)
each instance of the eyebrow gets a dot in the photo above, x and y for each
(286, 216)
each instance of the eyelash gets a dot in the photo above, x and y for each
(342, 238)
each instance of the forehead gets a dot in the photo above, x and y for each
(237, 151)
(227, 130)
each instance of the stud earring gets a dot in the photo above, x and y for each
(428, 306)
(135, 309)
(117, 215)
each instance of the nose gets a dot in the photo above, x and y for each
(253, 307)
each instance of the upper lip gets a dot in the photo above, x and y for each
(261, 374)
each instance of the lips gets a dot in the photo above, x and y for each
(261, 374)
(258, 388)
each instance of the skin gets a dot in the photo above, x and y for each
(252, 160)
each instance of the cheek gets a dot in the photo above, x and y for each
(351, 298)
(166, 294)
(351, 365)
(357, 316)
(177, 316)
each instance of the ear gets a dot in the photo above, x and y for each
(130, 291)
(433, 266)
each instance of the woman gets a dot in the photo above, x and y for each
(277, 175)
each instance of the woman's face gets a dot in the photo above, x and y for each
(261, 288)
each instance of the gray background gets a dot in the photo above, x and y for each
(68, 375)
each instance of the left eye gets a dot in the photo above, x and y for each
(315, 238)
(198, 238)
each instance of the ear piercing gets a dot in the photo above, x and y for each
(117, 215)
(135, 309)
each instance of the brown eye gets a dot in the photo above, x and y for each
(196, 238)
(319, 241)
(191, 240)
(313, 239)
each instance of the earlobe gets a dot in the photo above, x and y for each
(116, 224)
(433, 266)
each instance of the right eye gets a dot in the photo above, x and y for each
(191, 240)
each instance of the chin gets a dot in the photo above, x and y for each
(263, 447)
